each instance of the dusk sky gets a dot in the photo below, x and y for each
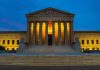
(12, 13)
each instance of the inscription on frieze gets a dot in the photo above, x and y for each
(50, 18)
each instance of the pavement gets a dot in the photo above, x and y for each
(16, 67)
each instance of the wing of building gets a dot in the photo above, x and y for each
(50, 27)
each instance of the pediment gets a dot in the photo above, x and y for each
(50, 12)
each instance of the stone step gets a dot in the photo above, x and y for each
(50, 60)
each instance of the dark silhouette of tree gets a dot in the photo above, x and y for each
(13, 50)
(2, 48)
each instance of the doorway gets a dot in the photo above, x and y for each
(50, 39)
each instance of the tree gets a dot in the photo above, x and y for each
(2, 48)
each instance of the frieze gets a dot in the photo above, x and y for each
(50, 18)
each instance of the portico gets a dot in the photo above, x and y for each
(50, 27)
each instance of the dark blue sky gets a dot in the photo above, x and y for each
(12, 12)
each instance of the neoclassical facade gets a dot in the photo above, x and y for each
(50, 27)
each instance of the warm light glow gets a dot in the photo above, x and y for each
(62, 28)
(31, 32)
(56, 32)
(50, 27)
(37, 28)
(68, 27)
(43, 32)
(32, 27)
(68, 32)
(62, 32)
(37, 32)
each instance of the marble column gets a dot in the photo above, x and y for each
(65, 32)
(53, 33)
(30, 42)
(71, 32)
(46, 33)
(34, 32)
(40, 34)
(28, 29)
(59, 33)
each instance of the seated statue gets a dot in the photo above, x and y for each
(22, 45)
(77, 44)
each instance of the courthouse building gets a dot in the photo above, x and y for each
(50, 27)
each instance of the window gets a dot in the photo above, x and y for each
(7, 48)
(87, 41)
(13, 49)
(3, 41)
(17, 41)
(92, 41)
(97, 48)
(82, 41)
(87, 48)
(8, 42)
(97, 42)
(92, 48)
(12, 41)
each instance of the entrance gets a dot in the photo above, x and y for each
(50, 39)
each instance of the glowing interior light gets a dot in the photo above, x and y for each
(37, 28)
(37, 32)
(43, 31)
(62, 32)
(68, 27)
(49, 27)
(31, 32)
(32, 27)
(56, 32)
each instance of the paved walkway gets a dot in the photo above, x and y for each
(7, 67)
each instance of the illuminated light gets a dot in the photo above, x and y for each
(56, 32)
(32, 27)
(62, 31)
(68, 32)
(49, 27)
(31, 32)
(68, 27)
(43, 32)
(37, 32)
(37, 28)
(43, 29)
(62, 27)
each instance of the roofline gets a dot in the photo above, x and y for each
(13, 31)
(65, 12)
